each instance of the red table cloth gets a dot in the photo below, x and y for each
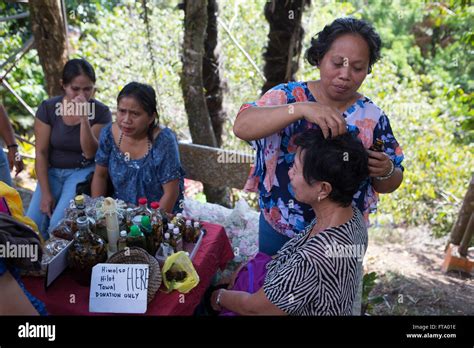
(66, 297)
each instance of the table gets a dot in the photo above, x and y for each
(66, 297)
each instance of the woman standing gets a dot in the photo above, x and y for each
(66, 131)
(13, 159)
(344, 52)
(140, 156)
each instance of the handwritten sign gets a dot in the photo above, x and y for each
(119, 288)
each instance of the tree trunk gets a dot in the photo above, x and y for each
(214, 95)
(284, 41)
(50, 40)
(199, 121)
(467, 209)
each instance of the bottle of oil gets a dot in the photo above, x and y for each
(188, 235)
(177, 240)
(179, 222)
(156, 224)
(197, 231)
(87, 250)
(122, 241)
(166, 245)
(147, 231)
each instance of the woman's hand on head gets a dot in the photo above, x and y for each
(329, 119)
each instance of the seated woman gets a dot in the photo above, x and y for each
(315, 273)
(140, 156)
(66, 131)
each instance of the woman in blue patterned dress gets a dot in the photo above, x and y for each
(140, 156)
(344, 52)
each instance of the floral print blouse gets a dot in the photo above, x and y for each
(275, 156)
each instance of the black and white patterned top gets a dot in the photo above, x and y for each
(319, 275)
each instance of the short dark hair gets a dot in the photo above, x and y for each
(322, 41)
(146, 96)
(77, 67)
(341, 161)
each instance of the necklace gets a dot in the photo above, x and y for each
(148, 143)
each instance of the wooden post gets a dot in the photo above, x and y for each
(284, 41)
(192, 84)
(48, 26)
(456, 257)
(195, 22)
(214, 96)
(467, 209)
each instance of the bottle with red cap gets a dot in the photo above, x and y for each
(143, 208)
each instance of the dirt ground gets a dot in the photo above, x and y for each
(408, 263)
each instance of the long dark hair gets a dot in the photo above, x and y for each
(77, 67)
(146, 96)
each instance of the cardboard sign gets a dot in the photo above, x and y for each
(119, 288)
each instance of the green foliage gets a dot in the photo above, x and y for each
(369, 281)
(26, 77)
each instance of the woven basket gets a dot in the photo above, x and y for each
(136, 255)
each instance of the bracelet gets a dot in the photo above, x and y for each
(218, 299)
(12, 145)
(390, 173)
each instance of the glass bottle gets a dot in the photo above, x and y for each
(86, 251)
(80, 205)
(167, 248)
(170, 232)
(197, 231)
(180, 222)
(156, 223)
(177, 240)
(147, 231)
(79, 210)
(135, 238)
(188, 235)
(377, 146)
(143, 208)
(122, 241)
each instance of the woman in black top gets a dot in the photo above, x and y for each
(317, 272)
(66, 131)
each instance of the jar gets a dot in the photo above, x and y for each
(86, 251)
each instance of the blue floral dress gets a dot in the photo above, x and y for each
(275, 156)
(144, 177)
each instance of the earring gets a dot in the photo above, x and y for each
(319, 199)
